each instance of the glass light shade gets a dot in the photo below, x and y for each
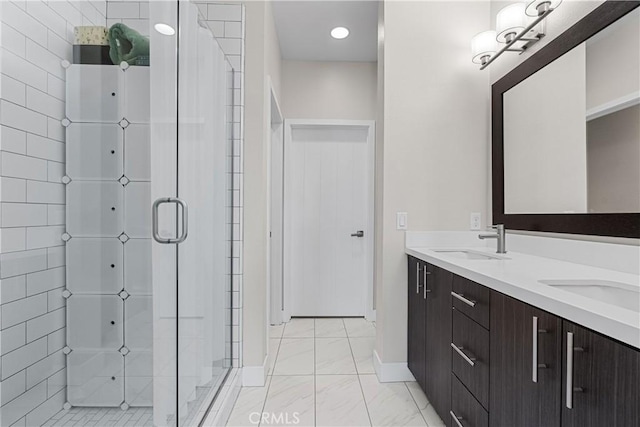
(532, 7)
(483, 44)
(511, 19)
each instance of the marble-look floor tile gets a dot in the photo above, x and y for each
(295, 357)
(362, 348)
(390, 404)
(428, 412)
(249, 401)
(290, 401)
(299, 328)
(431, 417)
(330, 328)
(418, 395)
(274, 346)
(333, 356)
(359, 327)
(275, 331)
(339, 401)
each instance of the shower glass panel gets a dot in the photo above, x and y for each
(205, 183)
(120, 310)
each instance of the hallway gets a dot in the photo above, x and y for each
(322, 374)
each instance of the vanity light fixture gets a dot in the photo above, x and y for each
(340, 33)
(483, 46)
(516, 23)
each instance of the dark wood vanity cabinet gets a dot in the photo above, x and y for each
(438, 361)
(417, 316)
(601, 380)
(525, 364)
(513, 364)
(429, 332)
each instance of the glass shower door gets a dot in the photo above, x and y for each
(192, 189)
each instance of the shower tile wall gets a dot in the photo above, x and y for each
(226, 21)
(35, 37)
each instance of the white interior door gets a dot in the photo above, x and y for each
(328, 217)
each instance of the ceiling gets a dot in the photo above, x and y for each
(303, 30)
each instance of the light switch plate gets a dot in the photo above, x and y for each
(401, 221)
(475, 221)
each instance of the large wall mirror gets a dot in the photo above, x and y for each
(566, 131)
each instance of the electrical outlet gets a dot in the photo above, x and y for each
(401, 221)
(476, 220)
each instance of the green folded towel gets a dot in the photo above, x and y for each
(128, 45)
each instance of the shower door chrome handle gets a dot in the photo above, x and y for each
(185, 220)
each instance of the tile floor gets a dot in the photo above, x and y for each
(102, 417)
(322, 375)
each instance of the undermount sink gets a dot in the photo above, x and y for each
(615, 293)
(469, 254)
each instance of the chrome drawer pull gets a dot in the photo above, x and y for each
(461, 297)
(570, 388)
(469, 360)
(456, 418)
(418, 278)
(569, 370)
(426, 291)
(534, 350)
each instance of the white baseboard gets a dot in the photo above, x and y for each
(255, 376)
(391, 372)
(371, 316)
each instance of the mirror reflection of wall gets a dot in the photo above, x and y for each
(572, 130)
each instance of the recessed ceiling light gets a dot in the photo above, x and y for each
(165, 29)
(339, 33)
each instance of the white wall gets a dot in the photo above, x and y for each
(436, 127)
(262, 60)
(35, 37)
(329, 90)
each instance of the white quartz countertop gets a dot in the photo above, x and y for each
(518, 276)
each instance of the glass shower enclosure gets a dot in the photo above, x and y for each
(148, 183)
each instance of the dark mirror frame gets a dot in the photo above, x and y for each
(602, 224)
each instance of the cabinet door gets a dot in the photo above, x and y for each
(416, 321)
(601, 380)
(438, 348)
(524, 386)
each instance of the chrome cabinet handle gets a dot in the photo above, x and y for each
(534, 350)
(426, 291)
(418, 285)
(185, 220)
(461, 297)
(456, 418)
(569, 370)
(570, 388)
(469, 360)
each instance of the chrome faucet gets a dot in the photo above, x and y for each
(499, 235)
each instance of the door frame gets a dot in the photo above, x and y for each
(275, 208)
(289, 124)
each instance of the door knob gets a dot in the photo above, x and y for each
(358, 233)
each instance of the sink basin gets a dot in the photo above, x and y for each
(615, 293)
(468, 254)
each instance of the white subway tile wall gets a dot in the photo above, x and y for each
(35, 37)
(227, 22)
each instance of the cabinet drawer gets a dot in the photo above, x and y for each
(465, 408)
(472, 299)
(470, 356)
